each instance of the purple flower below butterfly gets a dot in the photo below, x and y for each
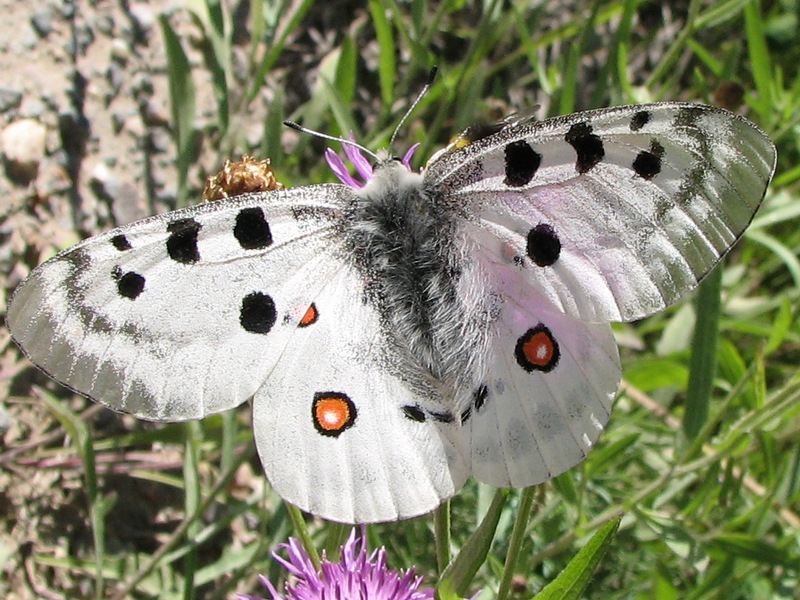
(358, 160)
(357, 576)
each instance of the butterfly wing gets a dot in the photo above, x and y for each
(183, 314)
(343, 437)
(613, 214)
(549, 384)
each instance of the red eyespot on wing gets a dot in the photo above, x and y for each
(311, 316)
(333, 413)
(537, 350)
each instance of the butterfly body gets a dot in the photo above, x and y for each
(405, 243)
(400, 336)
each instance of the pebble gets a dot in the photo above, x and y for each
(23, 146)
(42, 22)
(120, 51)
(104, 182)
(10, 98)
(142, 17)
(5, 420)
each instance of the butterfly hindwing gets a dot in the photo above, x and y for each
(180, 315)
(550, 380)
(613, 214)
(342, 437)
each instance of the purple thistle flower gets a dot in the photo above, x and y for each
(356, 576)
(358, 160)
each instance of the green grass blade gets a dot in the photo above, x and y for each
(182, 102)
(387, 69)
(572, 581)
(704, 354)
(760, 62)
(98, 507)
(192, 499)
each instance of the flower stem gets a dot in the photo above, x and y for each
(441, 533)
(517, 536)
(301, 530)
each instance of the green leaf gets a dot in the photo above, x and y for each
(572, 581)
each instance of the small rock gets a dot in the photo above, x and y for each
(104, 182)
(28, 39)
(155, 114)
(53, 179)
(120, 51)
(23, 145)
(160, 141)
(115, 77)
(9, 98)
(32, 107)
(5, 420)
(42, 21)
(104, 23)
(83, 37)
(143, 18)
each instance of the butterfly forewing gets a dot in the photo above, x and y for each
(614, 214)
(181, 315)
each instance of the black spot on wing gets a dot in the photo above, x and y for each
(414, 412)
(522, 162)
(479, 399)
(588, 146)
(543, 245)
(477, 403)
(257, 313)
(647, 163)
(251, 229)
(121, 243)
(442, 417)
(129, 285)
(639, 120)
(182, 242)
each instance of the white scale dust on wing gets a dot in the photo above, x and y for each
(117, 319)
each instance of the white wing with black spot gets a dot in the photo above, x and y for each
(613, 214)
(548, 386)
(339, 435)
(181, 315)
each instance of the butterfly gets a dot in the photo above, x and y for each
(402, 333)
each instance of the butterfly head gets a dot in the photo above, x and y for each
(365, 169)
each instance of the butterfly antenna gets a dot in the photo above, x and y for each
(428, 84)
(325, 136)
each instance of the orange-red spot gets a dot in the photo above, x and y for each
(311, 316)
(537, 349)
(333, 412)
